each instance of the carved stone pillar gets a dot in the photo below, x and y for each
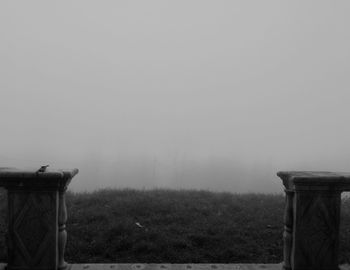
(312, 217)
(37, 217)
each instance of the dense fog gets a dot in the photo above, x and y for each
(216, 95)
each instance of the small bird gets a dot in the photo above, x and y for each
(42, 169)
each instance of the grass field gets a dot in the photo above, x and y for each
(176, 227)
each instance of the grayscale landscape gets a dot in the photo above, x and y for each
(178, 115)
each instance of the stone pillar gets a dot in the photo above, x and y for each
(37, 217)
(312, 217)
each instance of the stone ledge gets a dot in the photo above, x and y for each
(151, 266)
(12, 178)
(127, 266)
(315, 181)
(183, 267)
(176, 266)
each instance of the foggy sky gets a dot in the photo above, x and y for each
(215, 95)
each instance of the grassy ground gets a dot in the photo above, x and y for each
(176, 227)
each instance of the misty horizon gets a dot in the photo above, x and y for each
(185, 94)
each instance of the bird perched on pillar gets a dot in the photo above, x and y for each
(42, 169)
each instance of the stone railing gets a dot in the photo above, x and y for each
(37, 216)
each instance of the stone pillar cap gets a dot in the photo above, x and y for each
(291, 179)
(41, 177)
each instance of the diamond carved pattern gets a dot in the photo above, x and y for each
(318, 223)
(32, 226)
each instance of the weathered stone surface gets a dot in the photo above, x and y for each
(37, 217)
(307, 180)
(177, 267)
(316, 230)
(312, 217)
(32, 228)
(33, 179)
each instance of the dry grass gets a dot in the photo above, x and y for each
(174, 226)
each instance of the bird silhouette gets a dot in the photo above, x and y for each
(42, 169)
